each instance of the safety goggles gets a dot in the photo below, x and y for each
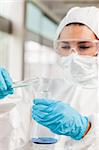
(81, 47)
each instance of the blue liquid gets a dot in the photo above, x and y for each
(44, 140)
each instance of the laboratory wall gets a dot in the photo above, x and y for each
(28, 51)
(11, 45)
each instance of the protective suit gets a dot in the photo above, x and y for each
(83, 95)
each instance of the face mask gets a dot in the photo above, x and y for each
(79, 69)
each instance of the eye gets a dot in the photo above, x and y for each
(65, 46)
(84, 47)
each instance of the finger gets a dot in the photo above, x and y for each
(11, 91)
(35, 118)
(43, 108)
(39, 113)
(39, 107)
(2, 82)
(46, 102)
(3, 95)
(7, 78)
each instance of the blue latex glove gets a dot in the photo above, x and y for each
(60, 118)
(5, 83)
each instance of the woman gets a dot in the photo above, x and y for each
(77, 117)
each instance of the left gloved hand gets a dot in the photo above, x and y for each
(5, 83)
(60, 118)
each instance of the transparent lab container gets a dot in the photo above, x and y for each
(40, 87)
(43, 135)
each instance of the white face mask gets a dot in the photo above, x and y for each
(79, 69)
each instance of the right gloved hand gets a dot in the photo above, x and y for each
(60, 118)
(5, 83)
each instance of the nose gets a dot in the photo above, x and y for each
(73, 50)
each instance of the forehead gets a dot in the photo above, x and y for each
(77, 32)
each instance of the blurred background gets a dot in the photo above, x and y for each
(27, 31)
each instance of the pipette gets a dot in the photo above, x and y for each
(24, 83)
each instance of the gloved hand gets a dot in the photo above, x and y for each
(60, 118)
(5, 83)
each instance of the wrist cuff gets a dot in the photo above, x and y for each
(82, 129)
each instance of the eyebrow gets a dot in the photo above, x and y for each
(82, 42)
(79, 42)
(65, 42)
